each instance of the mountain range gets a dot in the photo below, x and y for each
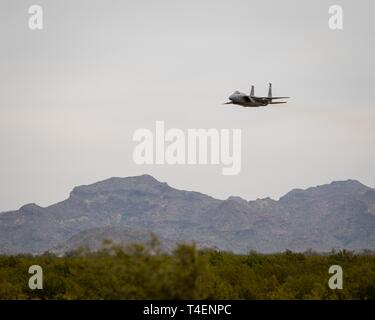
(339, 215)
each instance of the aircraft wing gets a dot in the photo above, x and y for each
(277, 102)
(273, 98)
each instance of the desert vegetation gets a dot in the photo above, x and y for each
(146, 272)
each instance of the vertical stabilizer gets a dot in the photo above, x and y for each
(270, 90)
(252, 91)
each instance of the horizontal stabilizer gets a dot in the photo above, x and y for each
(277, 102)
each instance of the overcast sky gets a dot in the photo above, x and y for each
(72, 94)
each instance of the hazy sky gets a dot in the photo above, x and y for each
(72, 94)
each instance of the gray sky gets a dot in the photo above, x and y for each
(72, 94)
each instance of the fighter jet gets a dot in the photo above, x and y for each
(252, 101)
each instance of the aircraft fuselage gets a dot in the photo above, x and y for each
(244, 100)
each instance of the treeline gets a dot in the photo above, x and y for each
(145, 272)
